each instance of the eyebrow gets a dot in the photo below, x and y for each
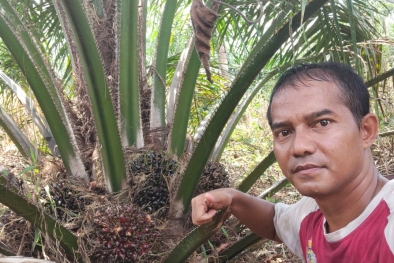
(318, 114)
(308, 118)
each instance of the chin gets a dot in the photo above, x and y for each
(314, 195)
(311, 190)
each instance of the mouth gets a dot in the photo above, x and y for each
(306, 167)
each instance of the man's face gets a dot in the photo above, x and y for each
(317, 142)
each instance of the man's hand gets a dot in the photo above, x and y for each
(255, 213)
(205, 206)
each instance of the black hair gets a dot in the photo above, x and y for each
(354, 93)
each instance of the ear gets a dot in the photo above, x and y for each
(369, 129)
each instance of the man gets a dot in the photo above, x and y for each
(323, 130)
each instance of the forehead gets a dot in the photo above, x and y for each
(305, 97)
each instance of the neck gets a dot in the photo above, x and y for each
(342, 208)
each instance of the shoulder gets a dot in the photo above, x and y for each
(288, 219)
(388, 192)
(298, 210)
(292, 216)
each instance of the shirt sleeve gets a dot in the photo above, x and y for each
(287, 221)
(389, 230)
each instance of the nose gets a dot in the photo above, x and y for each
(302, 144)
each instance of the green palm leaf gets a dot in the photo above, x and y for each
(112, 154)
(42, 82)
(158, 93)
(28, 103)
(16, 135)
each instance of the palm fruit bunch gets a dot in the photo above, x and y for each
(213, 177)
(150, 174)
(63, 198)
(123, 234)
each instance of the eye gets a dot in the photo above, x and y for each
(283, 133)
(323, 123)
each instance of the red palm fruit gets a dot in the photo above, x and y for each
(126, 245)
(122, 219)
(145, 246)
(120, 255)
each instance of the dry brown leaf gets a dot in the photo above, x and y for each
(203, 21)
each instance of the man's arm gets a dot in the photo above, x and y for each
(255, 213)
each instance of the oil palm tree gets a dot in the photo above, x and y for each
(112, 117)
